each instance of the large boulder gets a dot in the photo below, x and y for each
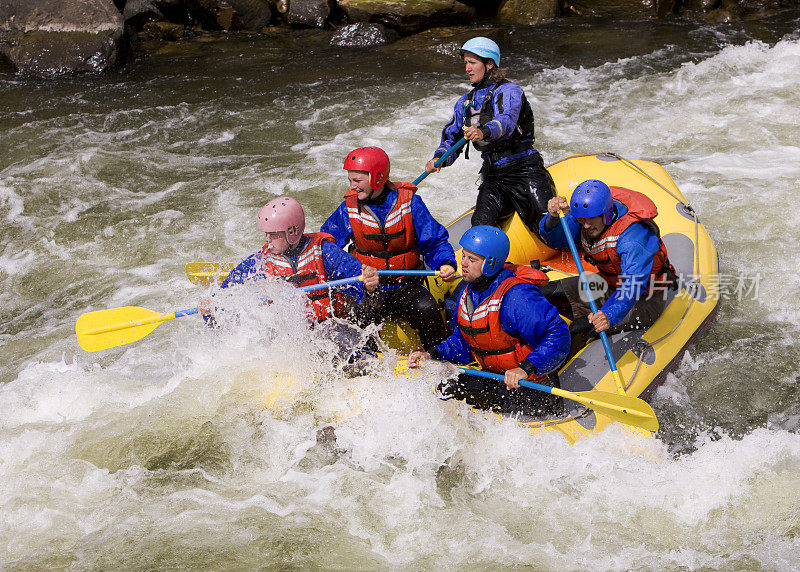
(311, 13)
(139, 12)
(54, 37)
(527, 12)
(362, 34)
(622, 9)
(409, 16)
(231, 14)
(214, 14)
(253, 14)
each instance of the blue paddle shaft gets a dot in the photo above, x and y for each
(501, 377)
(182, 313)
(331, 284)
(407, 272)
(441, 160)
(343, 281)
(587, 288)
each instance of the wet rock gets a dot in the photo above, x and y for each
(311, 13)
(173, 10)
(254, 14)
(622, 9)
(231, 14)
(215, 14)
(55, 37)
(59, 15)
(163, 31)
(410, 16)
(527, 12)
(361, 34)
(138, 12)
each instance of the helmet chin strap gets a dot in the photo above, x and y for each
(482, 282)
(296, 248)
(374, 197)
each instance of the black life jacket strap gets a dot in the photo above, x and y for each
(384, 237)
(386, 254)
(469, 331)
(300, 278)
(483, 353)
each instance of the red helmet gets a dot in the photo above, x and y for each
(283, 214)
(373, 160)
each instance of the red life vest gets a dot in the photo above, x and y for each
(603, 252)
(310, 270)
(493, 348)
(391, 246)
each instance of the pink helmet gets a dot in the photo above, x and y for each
(283, 214)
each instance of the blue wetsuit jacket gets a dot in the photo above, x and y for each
(507, 102)
(637, 245)
(525, 314)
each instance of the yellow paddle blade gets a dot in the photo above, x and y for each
(622, 408)
(105, 329)
(208, 273)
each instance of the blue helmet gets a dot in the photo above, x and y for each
(491, 243)
(483, 47)
(592, 198)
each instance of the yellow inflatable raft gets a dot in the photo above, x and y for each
(643, 357)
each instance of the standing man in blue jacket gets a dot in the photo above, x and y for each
(504, 323)
(389, 228)
(497, 118)
(616, 232)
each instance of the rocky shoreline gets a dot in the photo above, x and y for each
(57, 37)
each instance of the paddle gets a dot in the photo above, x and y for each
(104, 329)
(206, 273)
(441, 160)
(622, 408)
(587, 288)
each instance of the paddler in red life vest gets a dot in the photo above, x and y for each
(390, 228)
(505, 323)
(301, 259)
(616, 232)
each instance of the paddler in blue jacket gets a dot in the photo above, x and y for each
(390, 228)
(301, 259)
(504, 323)
(615, 230)
(497, 118)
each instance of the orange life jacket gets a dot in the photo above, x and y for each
(310, 270)
(493, 348)
(603, 252)
(388, 246)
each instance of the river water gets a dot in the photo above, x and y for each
(160, 454)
